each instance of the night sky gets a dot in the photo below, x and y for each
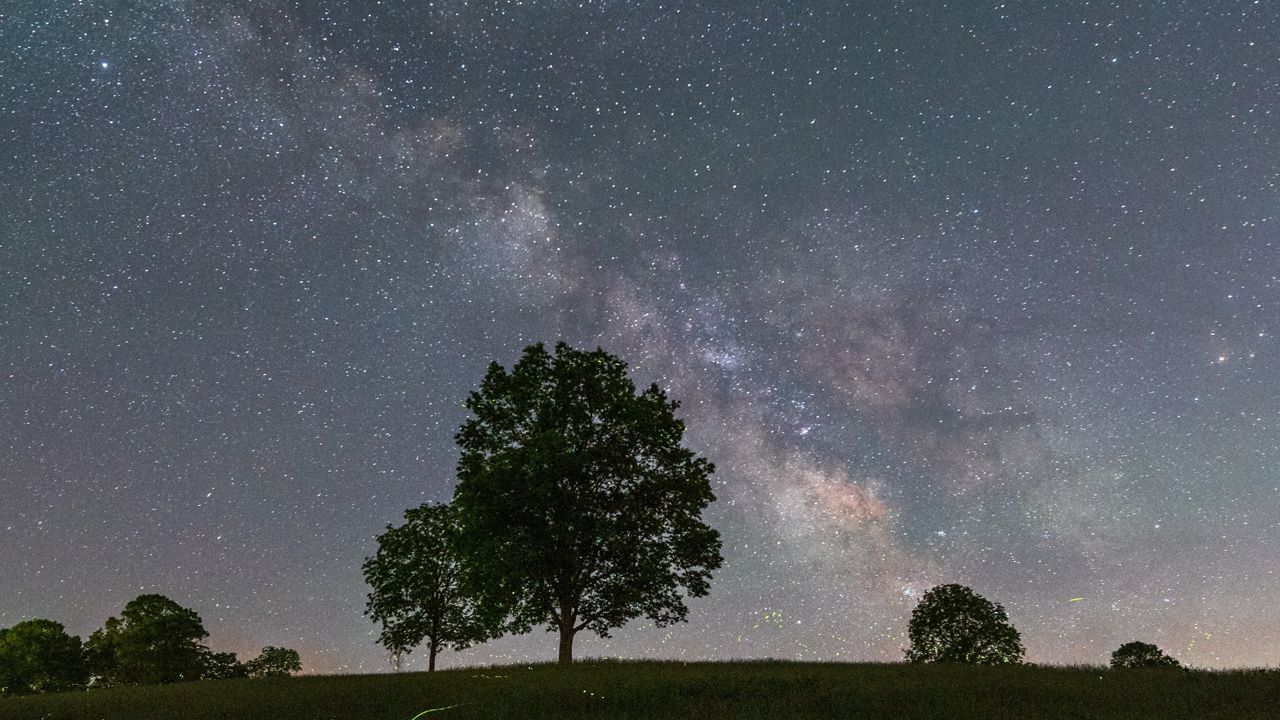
(951, 292)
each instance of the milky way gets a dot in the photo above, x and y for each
(979, 293)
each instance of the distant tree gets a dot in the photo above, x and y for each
(220, 666)
(415, 582)
(1139, 654)
(155, 640)
(953, 624)
(38, 656)
(577, 504)
(274, 662)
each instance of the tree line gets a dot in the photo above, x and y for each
(577, 508)
(154, 640)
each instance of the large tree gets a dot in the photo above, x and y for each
(954, 624)
(155, 640)
(415, 586)
(39, 656)
(579, 508)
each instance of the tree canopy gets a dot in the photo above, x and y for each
(274, 662)
(221, 665)
(578, 506)
(39, 656)
(155, 640)
(415, 582)
(1139, 654)
(954, 624)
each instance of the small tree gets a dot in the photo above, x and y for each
(1139, 654)
(155, 640)
(578, 506)
(415, 582)
(39, 656)
(274, 662)
(954, 624)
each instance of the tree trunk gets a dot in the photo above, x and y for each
(431, 661)
(566, 643)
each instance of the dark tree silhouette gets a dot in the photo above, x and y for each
(578, 506)
(155, 640)
(219, 666)
(954, 624)
(39, 656)
(1140, 654)
(415, 582)
(274, 662)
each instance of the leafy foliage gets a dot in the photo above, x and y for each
(274, 662)
(578, 506)
(953, 624)
(155, 640)
(415, 582)
(220, 666)
(38, 656)
(1139, 654)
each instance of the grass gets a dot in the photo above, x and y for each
(706, 691)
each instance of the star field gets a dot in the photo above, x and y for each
(950, 292)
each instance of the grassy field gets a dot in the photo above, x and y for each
(653, 690)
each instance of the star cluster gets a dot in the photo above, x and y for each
(950, 292)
